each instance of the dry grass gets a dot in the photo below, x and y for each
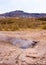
(12, 24)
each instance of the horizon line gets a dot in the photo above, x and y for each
(24, 11)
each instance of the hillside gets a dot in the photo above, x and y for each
(19, 20)
(19, 13)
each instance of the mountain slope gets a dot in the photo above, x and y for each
(19, 13)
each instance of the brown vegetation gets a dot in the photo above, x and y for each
(12, 24)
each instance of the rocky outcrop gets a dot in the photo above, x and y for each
(12, 55)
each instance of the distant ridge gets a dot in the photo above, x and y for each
(19, 13)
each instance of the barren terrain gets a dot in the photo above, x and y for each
(14, 55)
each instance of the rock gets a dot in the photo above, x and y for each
(13, 55)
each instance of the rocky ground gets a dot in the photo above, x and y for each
(13, 55)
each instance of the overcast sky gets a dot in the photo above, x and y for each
(32, 6)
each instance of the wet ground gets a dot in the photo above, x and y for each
(22, 43)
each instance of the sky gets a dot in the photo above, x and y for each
(31, 6)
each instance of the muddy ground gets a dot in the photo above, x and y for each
(14, 55)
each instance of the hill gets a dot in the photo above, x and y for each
(19, 13)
